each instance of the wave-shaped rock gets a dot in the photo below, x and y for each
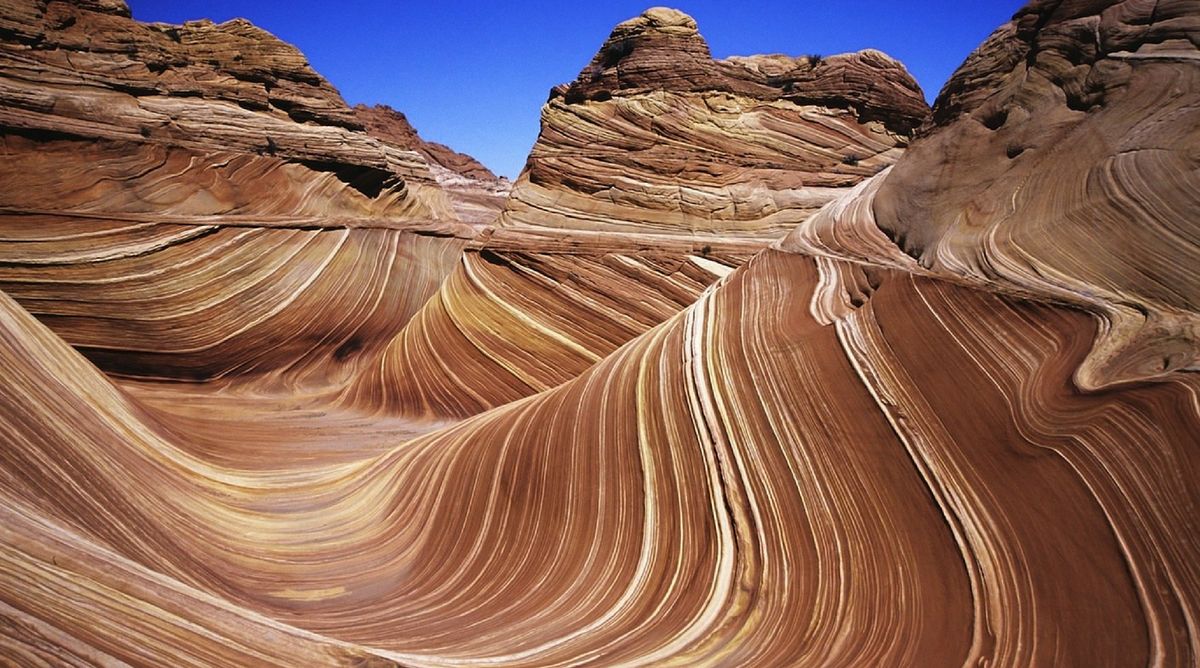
(195, 201)
(848, 450)
(509, 324)
(1061, 162)
(693, 497)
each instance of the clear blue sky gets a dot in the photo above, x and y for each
(474, 75)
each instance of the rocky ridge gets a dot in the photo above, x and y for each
(179, 201)
(656, 137)
(95, 81)
(477, 194)
(1061, 162)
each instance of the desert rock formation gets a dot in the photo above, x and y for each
(507, 324)
(477, 194)
(180, 201)
(582, 271)
(1061, 162)
(919, 429)
(655, 136)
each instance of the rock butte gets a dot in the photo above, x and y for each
(656, 137)
(762, 362)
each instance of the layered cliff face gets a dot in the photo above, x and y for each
(1061, 162)
(845, 450)
(654, 136)
(90, 81)
(477, 194)
(195, 201)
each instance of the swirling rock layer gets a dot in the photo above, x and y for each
(693, 497)
(197, 302)
(657, 137)
(1063, 160)
(196, 202)
(618, 444)
(506, 325)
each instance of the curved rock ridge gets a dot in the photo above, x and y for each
(655, 136)
(477, 194)
(54, 570)
(195, 202)
(187, 301)
(526, 309)
(693, 498)
(1061, 162)
(509, 324)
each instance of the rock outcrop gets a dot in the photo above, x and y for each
(655, 136)
(477, 194)
(87, 75)
(581, 273)
(913, 432)
(188, 201)
(1061, 162)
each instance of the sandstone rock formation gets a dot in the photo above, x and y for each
(913, 432)
(507, 324)
(583, 271)
(477, 194)
(179, 201)
(85, 73)
(654, 136)
(1062, 163)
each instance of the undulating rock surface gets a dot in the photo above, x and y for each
(705, 162)
(656, 137)
(477, 194)
(509, 324)
(196, 202)
(1063, 161)
(920, 429)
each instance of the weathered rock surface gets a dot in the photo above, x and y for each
(655, 136)
(1062, 162)
(75, 72)
(558, 287)
(187, 201)
(507, 324)
(738, 450)
(477, 194)
(888, 440)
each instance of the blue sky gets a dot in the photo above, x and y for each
(474, 75)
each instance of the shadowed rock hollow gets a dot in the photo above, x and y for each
(476, 194)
